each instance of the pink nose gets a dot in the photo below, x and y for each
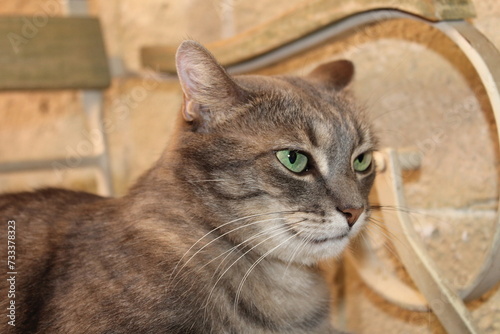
(351, 215)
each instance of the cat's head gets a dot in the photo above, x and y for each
(284, 164)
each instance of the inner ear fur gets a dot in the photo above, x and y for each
(205, 83)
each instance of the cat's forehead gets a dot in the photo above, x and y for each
(306, 111)
(288, 85)
(291, 93)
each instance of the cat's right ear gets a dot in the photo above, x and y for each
(336, 74)
(205, 83)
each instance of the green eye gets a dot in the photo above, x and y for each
(293, 160)
(362, 162)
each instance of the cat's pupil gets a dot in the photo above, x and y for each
(361, 157)
(292, 157)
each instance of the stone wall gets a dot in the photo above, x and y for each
(417, 87)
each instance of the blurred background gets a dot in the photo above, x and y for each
(417, 87)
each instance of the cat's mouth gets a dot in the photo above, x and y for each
(325, 239)
(317, 240)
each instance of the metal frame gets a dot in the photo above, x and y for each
(93, 104)
(92, 101)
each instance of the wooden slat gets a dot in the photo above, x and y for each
(52, 53)
(302, 20)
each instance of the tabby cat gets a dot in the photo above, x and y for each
(266, 176)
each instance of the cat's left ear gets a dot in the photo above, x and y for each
(336, 74)
(205, 83)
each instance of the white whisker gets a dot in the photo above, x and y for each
(221, 226)
(259, 260)
(220, 236)
(243, 255)
(299, 246)
(231, 250)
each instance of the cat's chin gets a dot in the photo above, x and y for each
(312, 251)
(328, 249)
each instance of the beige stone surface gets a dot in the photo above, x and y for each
(208, 20)
(40, 124)
(249, 14)
(488, 19)
(32, 7)
(455, 241)
(130, 25)
(141, 114)
(45, 125)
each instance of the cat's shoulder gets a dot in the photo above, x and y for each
(54, 197)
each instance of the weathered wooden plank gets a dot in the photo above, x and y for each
(52, 53)
(302, 20)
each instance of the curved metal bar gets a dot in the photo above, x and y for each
(381, 280)
(315, 39)
(486, 60)
(444, 302)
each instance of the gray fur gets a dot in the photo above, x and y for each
(218, 236)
